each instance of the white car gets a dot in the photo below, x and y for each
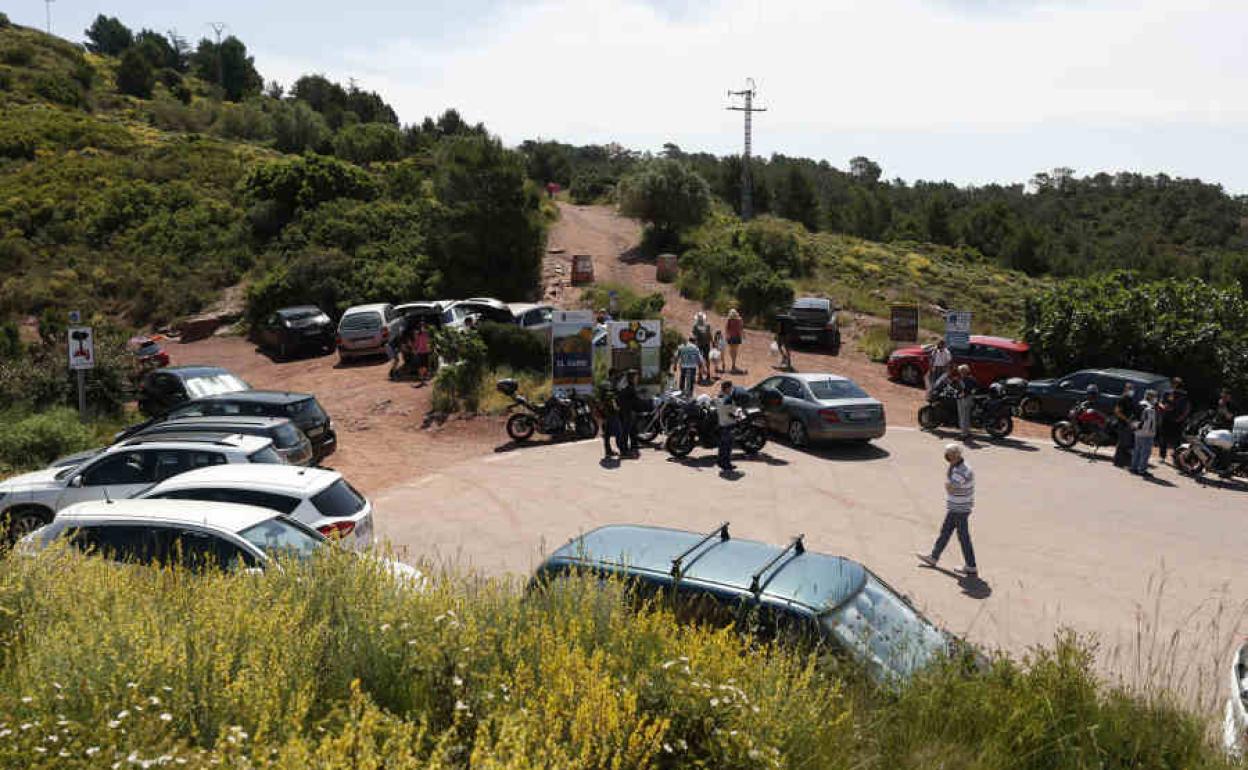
(1235, 720)
(535, 318)
(192, 533)
(29, 501)
(367, 330)
(316, 497)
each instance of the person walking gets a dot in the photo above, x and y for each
(734, 330)
(964, 387)
(630, 445)
(959, 501)
(702, 338)
(689, 362)
(726, 411)
(1124, 416)
(421, 349)
(938, 362)
(784, 329)
(1176, 409)
(1145, 426)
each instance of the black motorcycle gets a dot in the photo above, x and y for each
(658, 414)
(560, 415)
(698, 424)
(991, 411)
(1219, 451)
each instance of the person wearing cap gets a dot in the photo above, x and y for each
(959, 501)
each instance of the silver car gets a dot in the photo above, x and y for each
(367, 330)
(822, 407)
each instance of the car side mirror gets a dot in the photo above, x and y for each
(76, 481)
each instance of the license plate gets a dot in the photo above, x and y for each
(860, 415)
(314, 432)
(311, 333)
(808, 338)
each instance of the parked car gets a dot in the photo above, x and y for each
(366, 330)
(195, 534)
(1056, 397)
(316, 497)
(456, 314)
(288, 440)
(294, 330)
(162, 389)
(535, 318)
(415, 312)
(31, 499)
(814, 323)
(828, 598)
(1235, 719)
(822, 407)
(302, 408)
(990, 359)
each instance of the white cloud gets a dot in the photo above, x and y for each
(593, 70)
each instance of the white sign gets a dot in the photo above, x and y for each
(637, 345)
(958, 329)
(81, 347)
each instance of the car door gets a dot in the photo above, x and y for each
(796, 403)
(125, 543)
(202, 550)
(1069, 391)
(115, 477)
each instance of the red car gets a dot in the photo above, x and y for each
(990, 359)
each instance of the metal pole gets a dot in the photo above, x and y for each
(82, 395)
(747, 183)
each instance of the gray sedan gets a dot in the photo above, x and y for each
(822, 407)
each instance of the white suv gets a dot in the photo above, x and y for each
(29, 501)
(319, 498)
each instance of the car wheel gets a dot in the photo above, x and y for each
(912, 375)
(23, 521)
(798, 436)
(1030, 408)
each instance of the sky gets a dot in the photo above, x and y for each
(971, 91)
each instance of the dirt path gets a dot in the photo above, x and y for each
(613, 240)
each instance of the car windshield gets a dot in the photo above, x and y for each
(361, 322)
(211, 385)
(268, 456)
(278, 537)
(299, 315)
(886, 633)
(832, 389)
(287, 435)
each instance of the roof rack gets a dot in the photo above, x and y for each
(796, 546)
(721, 530)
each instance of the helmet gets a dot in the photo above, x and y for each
(1092, 390)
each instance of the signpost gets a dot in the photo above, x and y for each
(904, 326)
(572, 351)
(637, 345)
(81, 358)
(958, 329)
(582, 269)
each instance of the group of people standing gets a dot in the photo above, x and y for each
(619, 398)
(410, 351)
(1158, 421)
(707, 349)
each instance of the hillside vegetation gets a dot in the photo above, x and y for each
(330, 664)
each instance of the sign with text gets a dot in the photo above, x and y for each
(81, 347)
(904, 323)
(958, 329)
(572, 351)
(637, 345)
(582, 269)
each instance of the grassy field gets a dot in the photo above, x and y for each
(330, 664)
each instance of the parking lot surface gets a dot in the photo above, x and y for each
(1063, 540)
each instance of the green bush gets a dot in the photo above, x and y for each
(4, 21)
(630, 306)
(508, 345)
(59, 89)
(462, 357)
(369, 143)
(17, 55)
(875, 343)
(135, 75)
(34, 440)
(667, 194)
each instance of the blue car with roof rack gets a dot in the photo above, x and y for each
(829, 598)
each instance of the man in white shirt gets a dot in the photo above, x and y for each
(959, 500)
(726, 411)
(1145, 431)
(940, 357)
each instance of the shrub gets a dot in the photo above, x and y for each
(762, 293)
(779, 243)
(18, 55)
(462, 356)
(875, 344)
(34, 440)
(667, 194)
(244, 121)
(58, 88)
(17, 143)
(135, 75)
(508, 345)
(630, 306)
(369, 143)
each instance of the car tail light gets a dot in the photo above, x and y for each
(385, 334)
(829, 415)
(338, 340)
(337, 529)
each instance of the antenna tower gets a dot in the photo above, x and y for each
(747, 106)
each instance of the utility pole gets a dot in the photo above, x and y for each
(218, 27)
(48, 3)
(747, 202)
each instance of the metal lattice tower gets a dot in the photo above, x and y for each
(747, 201)
(48, 3)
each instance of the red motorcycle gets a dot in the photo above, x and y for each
(1085, 425)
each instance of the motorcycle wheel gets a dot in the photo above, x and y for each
(586, 426)
(753, 439)
(680, 443)
(1064, 434)
(1189, 462)
(1000, 427)
(928, 419)
(647, 428)
(520, 427)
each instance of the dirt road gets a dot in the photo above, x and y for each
(613, 241)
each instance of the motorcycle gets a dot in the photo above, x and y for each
(658, 415)
(560, 415)
(991, 411)
(698, 424)
(1084, 425)
(1224, 452)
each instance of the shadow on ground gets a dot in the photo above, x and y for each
(982, 441)
(846, 452)
(973, 586)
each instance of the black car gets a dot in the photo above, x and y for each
(293, 330)
(163, 389)
(302, 409)
(287, 439)
(1055, 398)
(811, 321)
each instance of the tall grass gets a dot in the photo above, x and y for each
(331, 665)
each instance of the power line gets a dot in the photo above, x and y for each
(747, 202)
